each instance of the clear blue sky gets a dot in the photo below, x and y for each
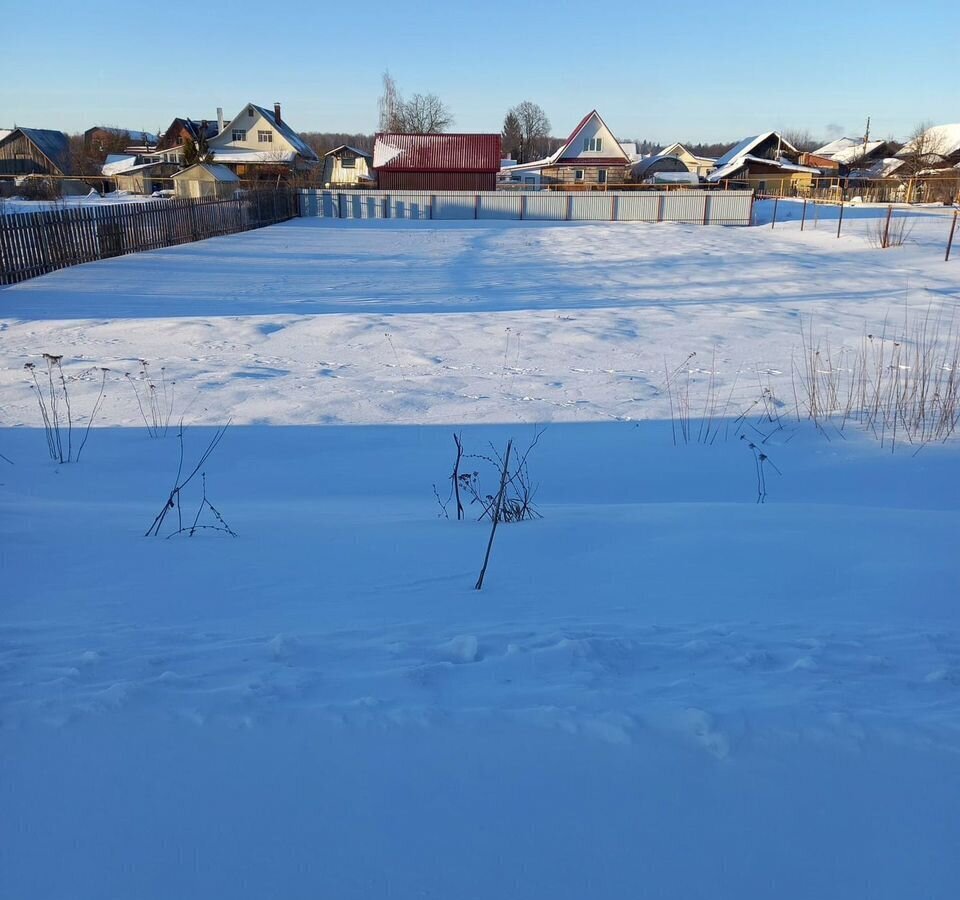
(667, 71)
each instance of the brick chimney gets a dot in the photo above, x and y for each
(276, 112)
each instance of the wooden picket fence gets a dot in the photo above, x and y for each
(34, 243)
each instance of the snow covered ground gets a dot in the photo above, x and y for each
(664, 690)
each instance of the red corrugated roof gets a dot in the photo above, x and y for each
(438, 152)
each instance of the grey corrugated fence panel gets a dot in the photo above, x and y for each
(687, 207)
(499, 205)
(730, 208)
(455, 206)
(546, 206)
(640, 207)
(696, 207)
(590, 207)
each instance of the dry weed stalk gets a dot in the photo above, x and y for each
(174, 500)
(900, 386)
(56, 412)
(155, 404)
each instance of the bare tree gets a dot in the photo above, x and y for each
(533, 130)
(924, 148)
(389, 103)
(800, 138)
(422, 114)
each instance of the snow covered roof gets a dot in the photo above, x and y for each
(749, 143)
(838, 146)
(880, 168)
(677, 148)
(220, 173)
(942, 140)
(739, 162)
(116, 163)
(4, 132)
(134, 134)
(303, 148)
(253, 157)
(857, 151)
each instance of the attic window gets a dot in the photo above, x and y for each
(265, 137)
(594, 144)
(250, 111)
(239, 134)
(348, 162)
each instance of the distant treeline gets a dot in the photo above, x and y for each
(324, 141)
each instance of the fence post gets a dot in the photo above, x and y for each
(840, 222)
(776, 200)
(523, 206)
(886, 229)
(431, 206)
(476, 206)
(706, 209)
(803, 215)
(953, 227)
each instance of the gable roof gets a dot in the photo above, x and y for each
(220, 173)
(677, 148)
(302, 147)
(299, 145)
(749, 143)
(943, 141)
(744, 159)
(54, 145)
(393, 152)
(620, 155)
(351, 149)
(133, 134)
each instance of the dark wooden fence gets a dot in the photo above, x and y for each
(35, 243)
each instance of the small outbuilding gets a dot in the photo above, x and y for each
(437, 162)
(346, 166)
(206, 180)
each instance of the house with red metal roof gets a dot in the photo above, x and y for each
(437, 162)
(590, 157)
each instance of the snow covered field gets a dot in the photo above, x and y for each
(664, 690)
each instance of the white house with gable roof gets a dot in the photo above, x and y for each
(258, 138)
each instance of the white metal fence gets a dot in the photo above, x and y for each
(691, 207)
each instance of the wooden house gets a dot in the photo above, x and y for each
(768, 163)
(35, 151)
(182, 130)
(258, 142)
(206, 180)
(437, 162)
(346, 166)
(591, 157)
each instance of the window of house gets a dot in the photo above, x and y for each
(239, 134)
(250, 111)
(602, 176)
(594, 144)
(348, 163)
(578, 174)
(265, 137)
